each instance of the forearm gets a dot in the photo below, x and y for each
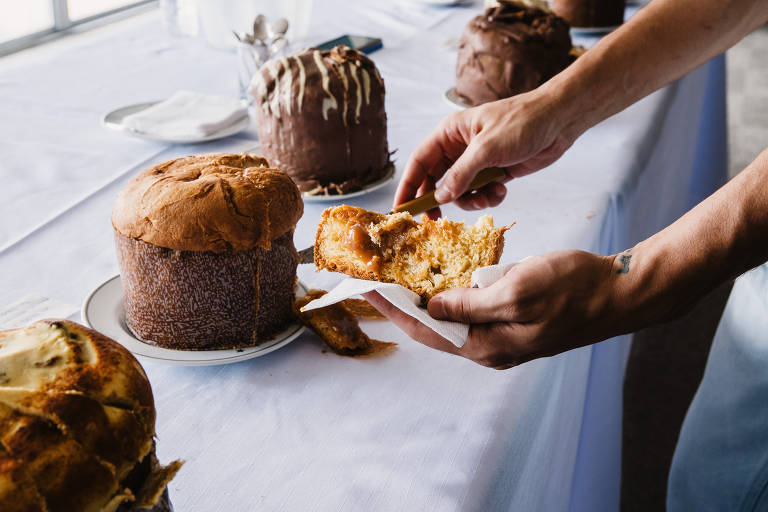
(662, 42)
(719, 239)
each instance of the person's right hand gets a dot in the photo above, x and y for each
(542, 306)
(521, 134)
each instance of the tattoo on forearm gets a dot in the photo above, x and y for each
(624, 260)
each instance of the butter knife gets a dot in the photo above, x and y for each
(423, 203)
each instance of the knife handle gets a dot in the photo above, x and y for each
(427, 201)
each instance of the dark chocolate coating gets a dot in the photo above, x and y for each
(508, 50)
(590, 13)
(320, 117)
(202, 300)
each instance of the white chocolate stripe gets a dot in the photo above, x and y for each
(330, 101)
(302, 81)
(275, 101)
(367, 86)
(344, 101)
(287, 84)
(359, 92)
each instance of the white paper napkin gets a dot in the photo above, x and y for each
(32, 308)
(408, 302)
(187, 115)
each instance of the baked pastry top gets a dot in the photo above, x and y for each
(427, 257)
(77, 421)
(212, 202)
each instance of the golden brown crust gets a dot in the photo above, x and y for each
(65, 475)
(427, 257)
(18, 492)
(211, 202)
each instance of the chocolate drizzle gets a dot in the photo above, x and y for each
(510, 49)
(320, 117)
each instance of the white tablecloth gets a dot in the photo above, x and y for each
(301, 429)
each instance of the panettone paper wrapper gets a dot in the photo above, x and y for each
(163, 505)
(153, 495)
(409, 302)
(154, 492)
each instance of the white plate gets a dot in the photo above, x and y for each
(585, 31)
(317, 198)
(114, 121)
(103, 311)
(370, 187)
(454, 100)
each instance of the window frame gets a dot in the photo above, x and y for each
(63, 25)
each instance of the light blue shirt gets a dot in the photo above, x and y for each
(721, 459)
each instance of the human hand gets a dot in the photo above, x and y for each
(544, 305)
(521, 134)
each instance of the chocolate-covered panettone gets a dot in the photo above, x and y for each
(320, 117)
(508, 50)
(206, 254)
(590, 13)
(77, 423)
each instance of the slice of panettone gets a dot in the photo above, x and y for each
(427, 257)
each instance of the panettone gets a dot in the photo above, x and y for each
(320, 117)
(77, 421)
(509, 49)
(206, 254)
(427, 257)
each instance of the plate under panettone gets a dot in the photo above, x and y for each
(103, 311)
(370, 187)
(327, 198)
(455, 100)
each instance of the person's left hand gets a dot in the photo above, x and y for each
(544, 305)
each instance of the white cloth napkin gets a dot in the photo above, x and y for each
(187, 115)
(408, 302)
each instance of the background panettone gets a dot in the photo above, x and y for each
(77, 422)
(510, 49)
(320, 117)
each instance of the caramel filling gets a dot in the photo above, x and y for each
(358, 241)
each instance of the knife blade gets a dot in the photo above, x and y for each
(423, 203)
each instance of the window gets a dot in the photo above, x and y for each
(80, 9)
(29, 22)
(21, 18)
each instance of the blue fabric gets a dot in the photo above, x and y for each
(721, 459)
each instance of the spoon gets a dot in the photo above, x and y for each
(278, 28)
(259, 28)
